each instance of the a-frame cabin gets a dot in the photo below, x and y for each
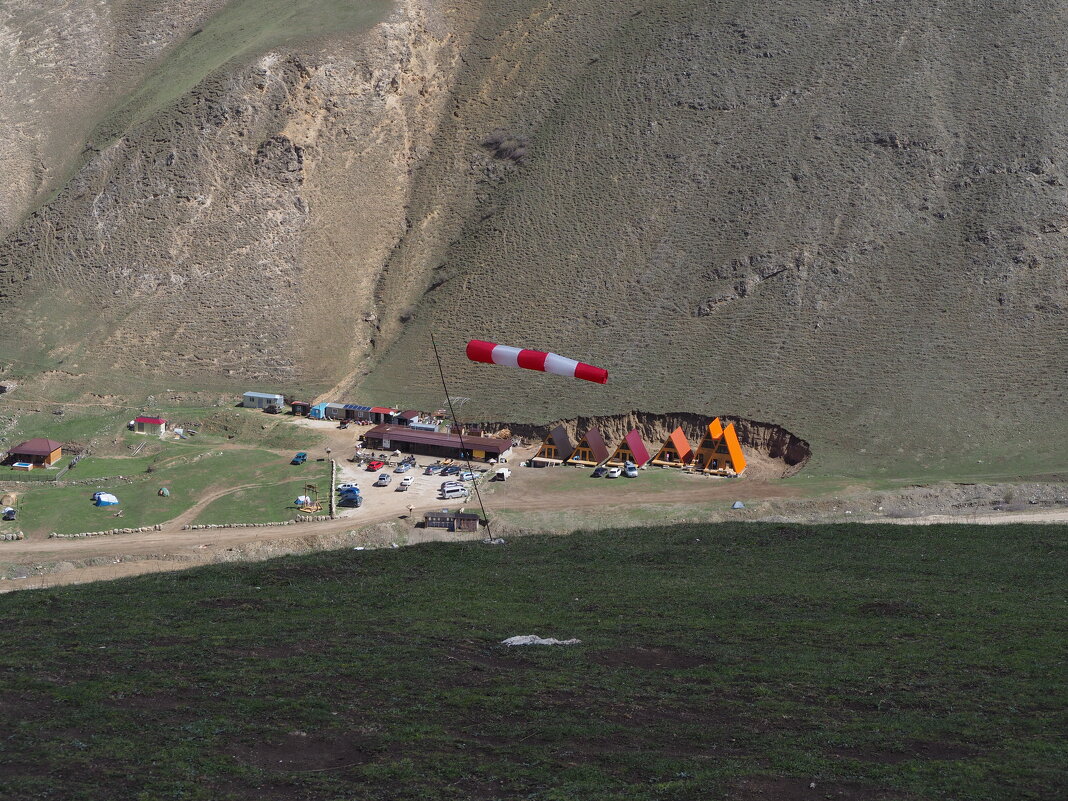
(555, 449)
(719, 453)
(631, 449)
(675, 452)
(591, 450)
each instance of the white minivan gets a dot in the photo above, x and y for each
(448, 493)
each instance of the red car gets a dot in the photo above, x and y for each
(376, 466)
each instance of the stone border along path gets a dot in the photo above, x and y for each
(187, 527)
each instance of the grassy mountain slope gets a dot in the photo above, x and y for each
(848, 220)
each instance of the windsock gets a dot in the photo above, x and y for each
(492, 353)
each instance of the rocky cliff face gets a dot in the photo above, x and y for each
(850, 220)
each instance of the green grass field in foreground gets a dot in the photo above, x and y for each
(717, 662)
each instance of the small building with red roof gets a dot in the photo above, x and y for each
(154, 426)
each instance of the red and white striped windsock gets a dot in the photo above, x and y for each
(492, 353)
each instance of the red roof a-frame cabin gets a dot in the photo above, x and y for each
(631, 449)
(591, 450)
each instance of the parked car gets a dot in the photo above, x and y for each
(447, 484)
(449, 493)
(467, 475)
(374, 467)
(432, 469)
(347, 485)
(503, 474)
(355, 501)
(272, 409)
(300, 458)
(405, 483)
(630, 471)
(402, 468)
(598, 472)
(614, 472)
(451, 470)
(383, 480)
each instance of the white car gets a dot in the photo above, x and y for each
(614, 472)
(630, 471)
(383, 479)
(347, 486)
(467, 475)
(407, 481)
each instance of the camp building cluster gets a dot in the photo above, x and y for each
(718, 453)
(408, 431)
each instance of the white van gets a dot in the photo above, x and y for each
(503, 473)
(448, 493)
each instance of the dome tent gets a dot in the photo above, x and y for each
(105, 499)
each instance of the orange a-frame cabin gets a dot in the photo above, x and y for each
(555, 449)
(591, 451)
(720, 452)
(631, 449)
(675, 452)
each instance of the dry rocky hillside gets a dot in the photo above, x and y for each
(849, 219)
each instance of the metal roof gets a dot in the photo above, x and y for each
(634, 441)
(262, 395)
(408, 414)
(406, 434)
(333, 406)
(597, 444)
(383, 410)
(38, 446)
(564, 447)
(154, 420)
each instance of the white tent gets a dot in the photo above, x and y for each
(302, 500)
(105, 499)
(738, 505)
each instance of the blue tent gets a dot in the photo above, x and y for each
(105, 499)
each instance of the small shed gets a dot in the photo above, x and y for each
(300, 408)
(358, 412)
(555, 449)
(407, 417)
(676, 450)
(591, 450)
(155, 426)
(261, 400)
(37, 452)
(452, 521)
(318, 412)
(631, 449)
(382, 414)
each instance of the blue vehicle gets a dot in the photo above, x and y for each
(451, 470)
(300, 458)
(402, 468)
(350, 496)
